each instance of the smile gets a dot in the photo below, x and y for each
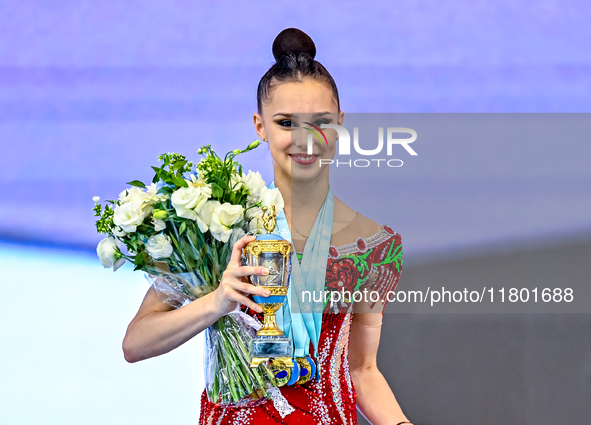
(304, 159)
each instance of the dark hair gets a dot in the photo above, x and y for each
(294, 52)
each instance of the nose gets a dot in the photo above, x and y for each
(300, 140)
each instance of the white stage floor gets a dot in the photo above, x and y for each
(64, 318)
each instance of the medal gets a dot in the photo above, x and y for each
(313, 366)
(295, 373)
(281, 371)
(305, 369)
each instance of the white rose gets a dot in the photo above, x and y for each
(118, 231)
(133, 195)
(158, 246)
(204, 216)
(254, 183)
(159, 225)
(223, 218)
(254, 212)
(107, 251)
(228, 214)
(188, 201)
(255, 217)
(151, 196)
(142, 198)
(128, 216)
(272, 197)
(256, 225)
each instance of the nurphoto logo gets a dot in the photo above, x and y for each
(344, 142)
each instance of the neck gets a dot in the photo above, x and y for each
(300, 196)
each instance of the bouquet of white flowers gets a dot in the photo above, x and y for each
(180, 230)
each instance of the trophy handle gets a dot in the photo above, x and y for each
(270, 219)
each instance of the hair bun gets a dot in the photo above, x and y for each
(293, 40)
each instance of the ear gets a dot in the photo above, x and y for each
(259, 128)
(341, 118)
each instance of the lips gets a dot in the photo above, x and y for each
(304, 159)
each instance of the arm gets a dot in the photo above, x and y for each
(159, 328)
(375, 399)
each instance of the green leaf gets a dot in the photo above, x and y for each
(216, 191)
(144, 228)
(221, 183)
(191, 253)
(136, 183)
(165, 189)
(179, 181)
(186, 248)
(182, 228)
(178, 165)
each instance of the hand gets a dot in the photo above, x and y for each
(234, 286)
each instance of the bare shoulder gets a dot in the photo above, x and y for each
(369, 226)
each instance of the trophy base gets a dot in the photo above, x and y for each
(284, 361)
(263, 348)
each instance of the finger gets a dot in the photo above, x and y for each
(237, 248)
(248, 302)
(250, 270)
(249, 288)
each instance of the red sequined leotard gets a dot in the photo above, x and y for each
(375, 260)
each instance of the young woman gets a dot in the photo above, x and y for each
(298, 91)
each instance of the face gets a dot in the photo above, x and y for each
(294, 108)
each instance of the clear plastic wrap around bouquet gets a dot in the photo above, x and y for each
(180, 230)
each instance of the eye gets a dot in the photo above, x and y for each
(286, 123)
(322, 121)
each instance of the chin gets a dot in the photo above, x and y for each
(307, 173)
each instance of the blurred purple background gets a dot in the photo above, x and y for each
(91, 93)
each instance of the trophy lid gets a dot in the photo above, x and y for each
(269, 237)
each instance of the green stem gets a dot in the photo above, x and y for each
(230, 381)
(235, 363)
(246, 355)
(176, 243)
(257, 204)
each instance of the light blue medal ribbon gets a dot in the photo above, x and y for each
(301, 318)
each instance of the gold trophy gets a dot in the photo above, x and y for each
(273, 252)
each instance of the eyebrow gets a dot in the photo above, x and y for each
(316, 114)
